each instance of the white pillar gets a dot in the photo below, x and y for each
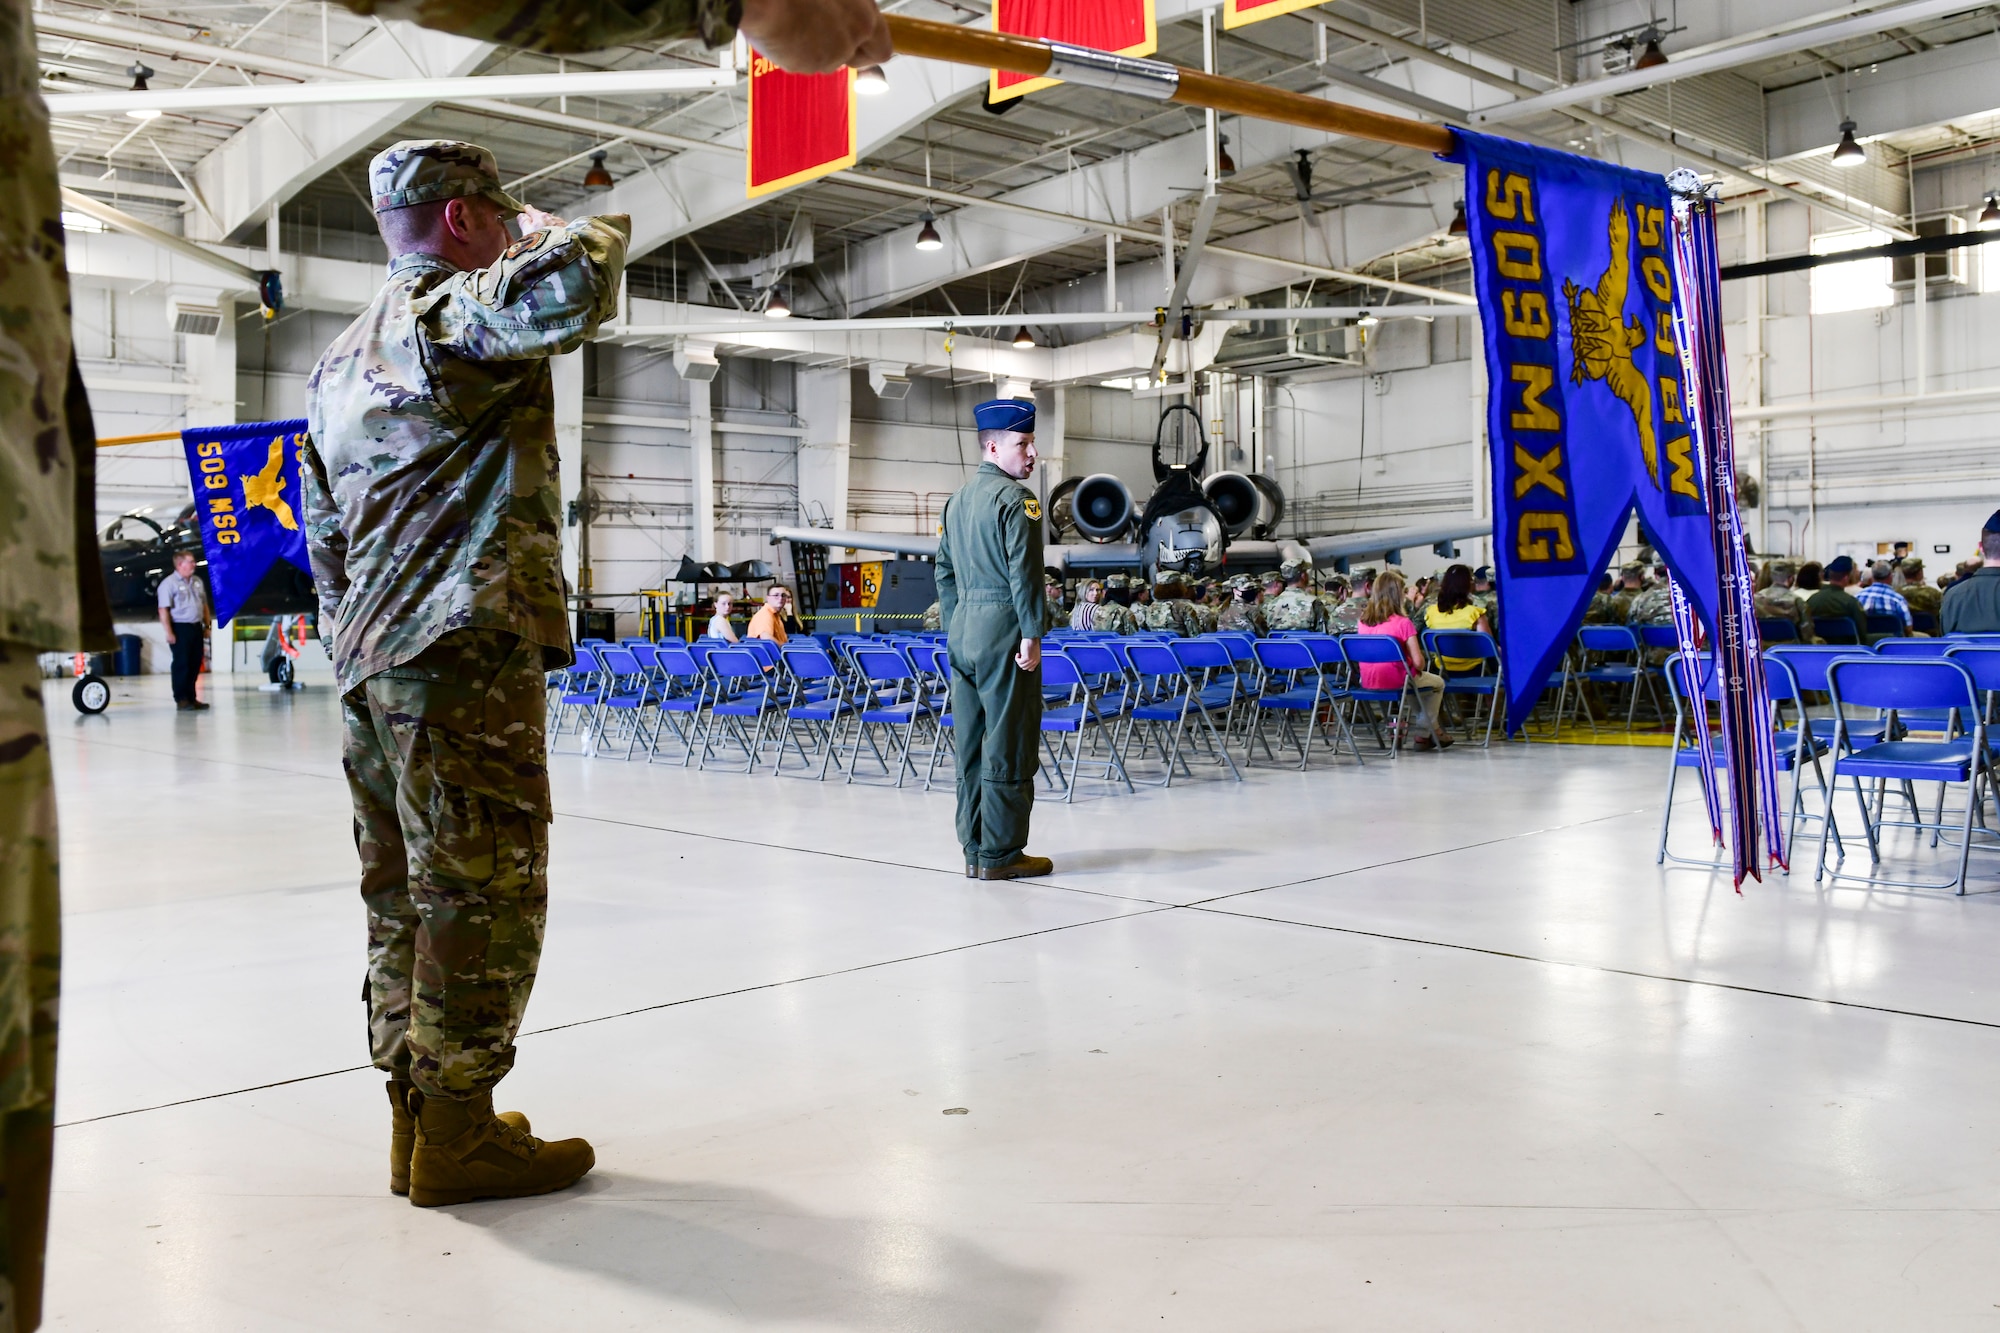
(211, 370)
(826, 405)
(567, 373)
(701, 436)
(1051, 422)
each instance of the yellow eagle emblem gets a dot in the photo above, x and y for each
(1032, 508)
(265, 489)
(1601, 341)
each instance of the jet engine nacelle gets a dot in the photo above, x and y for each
(1101, 507)
(1236, 500)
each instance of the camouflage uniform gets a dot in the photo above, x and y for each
(1923, 597)
(1783, 603)
(1654, 606)
(51, 598)
(933, 618)
(431, 493)
(562, 28)
(1294, 608)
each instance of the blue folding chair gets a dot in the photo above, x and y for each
(740, 698)
(1378, 649)
(627, 688)
(1913, 647)
(893, 698)
(681, 696)
(1069, 720)
(1606, 643)
(582, 685)
(816, 705)
(1892, 686)
(1836, 630)
(1174, 693)
(1795, 747)
(1469, 645)
(1294, 682)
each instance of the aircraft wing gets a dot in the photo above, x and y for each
(1125, 555)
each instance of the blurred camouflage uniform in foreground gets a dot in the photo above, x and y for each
(51, 598)
(431, 494)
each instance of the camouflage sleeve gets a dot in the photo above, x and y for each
(546, 295)
(568, 26)
(326, 543)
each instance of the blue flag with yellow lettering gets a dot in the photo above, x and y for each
(246, 498)
(1573, 263)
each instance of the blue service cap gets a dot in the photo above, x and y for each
(1016, 414)
(1839, 567)
(1992, 522)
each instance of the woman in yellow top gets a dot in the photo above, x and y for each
(1455, 609)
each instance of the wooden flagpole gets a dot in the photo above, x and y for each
(1156, 79)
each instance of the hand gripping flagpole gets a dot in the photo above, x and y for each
(1748, 750)
(1155, 79)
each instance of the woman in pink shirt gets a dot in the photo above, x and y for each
(1383, 614)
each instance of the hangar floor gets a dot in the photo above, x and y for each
(1428, 1045)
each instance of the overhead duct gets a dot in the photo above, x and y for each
(697, 362)
(1235, 499)
(1101, 507)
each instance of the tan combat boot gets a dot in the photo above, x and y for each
(465, 1152)
(403, 1133)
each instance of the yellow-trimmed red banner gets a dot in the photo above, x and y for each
(1124, 26)
(801, 125)
(1239, 13)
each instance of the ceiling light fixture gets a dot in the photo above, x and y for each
(1458, 226)
(775, 306)
(1989, 216)
(1369, 319)
(928, 238)
(1024, 339)
(139, 75)
(597, 178)
(870, 81)
(1847, 152)
(1650, 56)
(1225, 165)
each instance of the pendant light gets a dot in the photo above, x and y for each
(1650, 56)
(1989, 216)
(597, 178)
(1458, 226)
(870, 81)
(1225, 165)
(1848, 153)
(928, 238)
(1024, 339)
(775, 305)
(139, 75)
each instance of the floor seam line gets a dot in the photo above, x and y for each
(1600, 967)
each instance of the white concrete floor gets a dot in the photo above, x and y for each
(1427, 1045)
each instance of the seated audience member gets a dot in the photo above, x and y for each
(1972, 604)
(1602, 610)
(718, 624)
(1241, 615)
(1918, 595)
(1455, 609)
(1090, 598)
(1834, 602)
(1654, 605)
(1384, 615)
(1878, 596)
(1809, 580)
(769, 622)
(1780, 601)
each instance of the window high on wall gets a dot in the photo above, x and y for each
(1860, 285)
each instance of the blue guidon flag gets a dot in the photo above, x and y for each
(1573, 263)
(246, 499)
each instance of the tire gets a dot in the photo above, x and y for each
(282, 672)
(91, 695)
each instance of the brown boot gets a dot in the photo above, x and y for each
(465, 1152)
(403, 1133)
(1023, 866)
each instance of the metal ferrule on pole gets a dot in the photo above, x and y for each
(1113, 73)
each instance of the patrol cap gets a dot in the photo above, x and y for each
(1631, 570)
(1786, 568)
(1291, 569)
(1483, 574)
(423, 171)
(1839, 567)
(1117, 581)
(1015, 414)
(1274, 576)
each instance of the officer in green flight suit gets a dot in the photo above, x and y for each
(989, 582)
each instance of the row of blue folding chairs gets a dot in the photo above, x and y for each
(1948, 689)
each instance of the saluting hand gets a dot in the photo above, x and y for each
(1030, 655)
(814, 36)
(534, 219)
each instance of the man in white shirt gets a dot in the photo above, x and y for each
(184, 614)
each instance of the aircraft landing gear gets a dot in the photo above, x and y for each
(91, 694)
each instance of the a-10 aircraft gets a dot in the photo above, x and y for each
(1192, 524)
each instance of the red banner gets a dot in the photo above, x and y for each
(801, 125)
(1237, 13)
(1123, 26)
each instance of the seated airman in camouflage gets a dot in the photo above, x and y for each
(1241, 615)
(1295, 607)
(1781, 601)
(1114, 615)
(1655, 604)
